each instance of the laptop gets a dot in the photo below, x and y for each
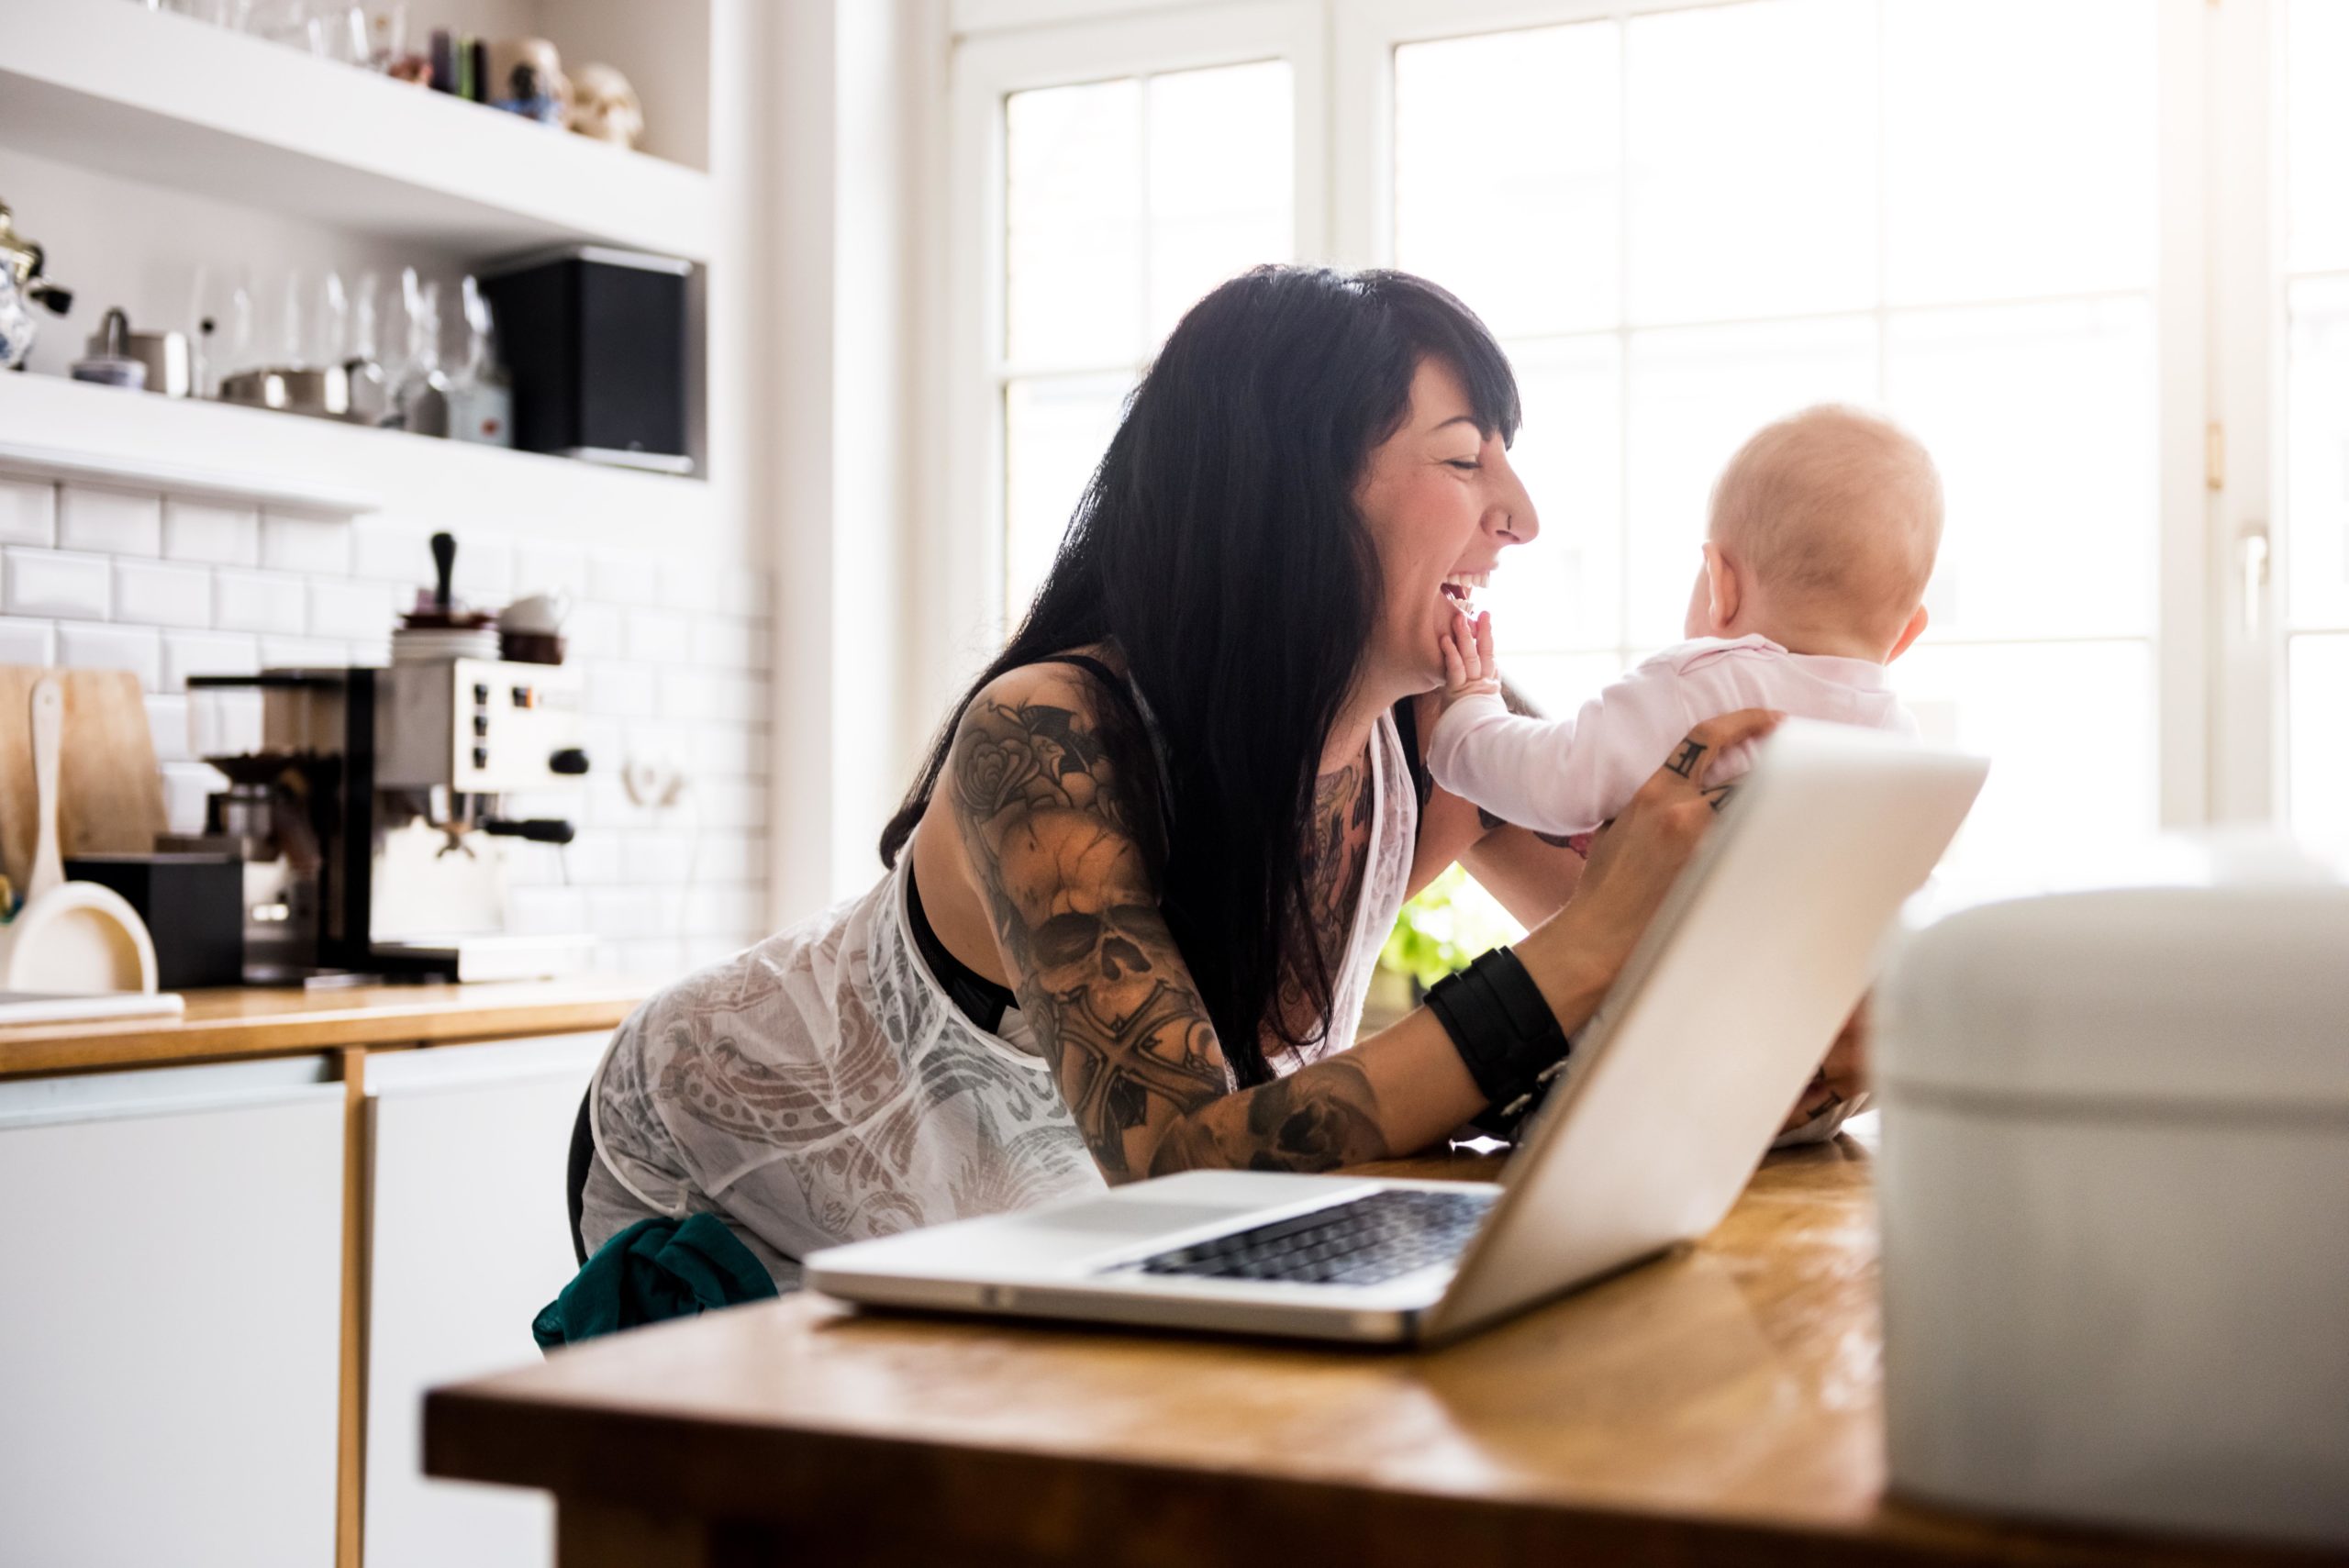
(1675, 1090)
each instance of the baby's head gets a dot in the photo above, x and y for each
(1823, 532)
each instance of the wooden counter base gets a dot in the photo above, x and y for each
(1722, 1405)
(229, 1025)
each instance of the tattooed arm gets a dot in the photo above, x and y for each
(1051, 837)
(1052, 841)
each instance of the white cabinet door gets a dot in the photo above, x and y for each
(469, 1235)
(170, 1271)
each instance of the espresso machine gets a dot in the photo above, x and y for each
(374, 810)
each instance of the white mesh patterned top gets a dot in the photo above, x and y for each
(821, 1087)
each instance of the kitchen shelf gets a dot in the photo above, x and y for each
(78, 433)
(162, 98)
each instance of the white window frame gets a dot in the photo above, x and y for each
(2218, 639)
(1013, 46)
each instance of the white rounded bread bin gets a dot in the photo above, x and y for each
(2114, 1185)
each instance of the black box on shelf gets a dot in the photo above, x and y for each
(194, 906)
(595, 340)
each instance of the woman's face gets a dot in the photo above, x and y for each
(1442, 503)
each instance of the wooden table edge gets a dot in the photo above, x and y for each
(1026, 1507)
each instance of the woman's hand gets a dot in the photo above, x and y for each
(1841, 1080)
(1575, 955)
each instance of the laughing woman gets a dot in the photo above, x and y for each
(1137, 892)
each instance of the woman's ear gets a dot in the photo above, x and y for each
(1723, 592)
(1909, 634)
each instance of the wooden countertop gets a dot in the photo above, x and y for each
(1723, 1404)
(236, 1023)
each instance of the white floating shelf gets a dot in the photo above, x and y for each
(159, 97)
(76, 432)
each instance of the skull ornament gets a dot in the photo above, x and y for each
(604, 106)
(541, 57)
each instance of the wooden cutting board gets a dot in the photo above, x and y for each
(111, 792)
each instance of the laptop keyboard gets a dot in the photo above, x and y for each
(1373, 1239)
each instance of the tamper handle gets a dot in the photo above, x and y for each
(444, 566)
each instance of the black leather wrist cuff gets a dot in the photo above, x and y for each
(1505, 1034)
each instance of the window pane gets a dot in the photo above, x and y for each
(1563, 591)
(1753, 142)
(1506, 180)
(2317, 134)
(2069, 732)
(2316, 456)
(1072, 211)
(1056, 429)
(1696, 394)
(2020, 142)
(2320, 767)
(1222, 172)
(2041, 421)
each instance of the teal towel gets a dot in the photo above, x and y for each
(654, 1270)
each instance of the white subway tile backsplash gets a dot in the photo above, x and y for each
(186, 785)
(732, 803)
(167, 720)
(255, 601)
(693, 584)
(547, 911)
(595, 631)
(392, 552)
(703, 695)
(50, 582)
(540, 570)
(624, 579)
(373, 652)
(593, 858)
(485, 574)
(663, 958)
(120, 522)
(189, 653)
(27, 512)
(618, 914)
(27, 642)
(731, 641)
(661, 855)
(155, 594)
(621, 689)
(135, 649)
(726, 750)
(725, 911)
(305, 544)
(659, 636)
(219, 536)
(731, 857)
(356, 612)
(303, 653)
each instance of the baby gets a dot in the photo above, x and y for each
(1823, 532)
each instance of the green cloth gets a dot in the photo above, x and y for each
(654, 1270)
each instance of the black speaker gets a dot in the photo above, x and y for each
(595, 340)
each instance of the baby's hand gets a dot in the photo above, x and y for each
(1470, 668)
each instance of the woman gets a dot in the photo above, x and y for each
(1137, 892)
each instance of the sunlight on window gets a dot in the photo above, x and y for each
(1688, 223)
(1125, 201)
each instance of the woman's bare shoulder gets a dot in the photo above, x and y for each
(1050, 683)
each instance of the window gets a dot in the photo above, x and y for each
(1125, 201)
(1713, 216)
(2060, 239)
(2315, 480)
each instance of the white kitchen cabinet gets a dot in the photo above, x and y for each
(469, 1235)
(170, 1243)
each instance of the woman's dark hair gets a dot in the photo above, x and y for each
(1218, 548)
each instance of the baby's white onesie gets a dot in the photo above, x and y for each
(1568, 775)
